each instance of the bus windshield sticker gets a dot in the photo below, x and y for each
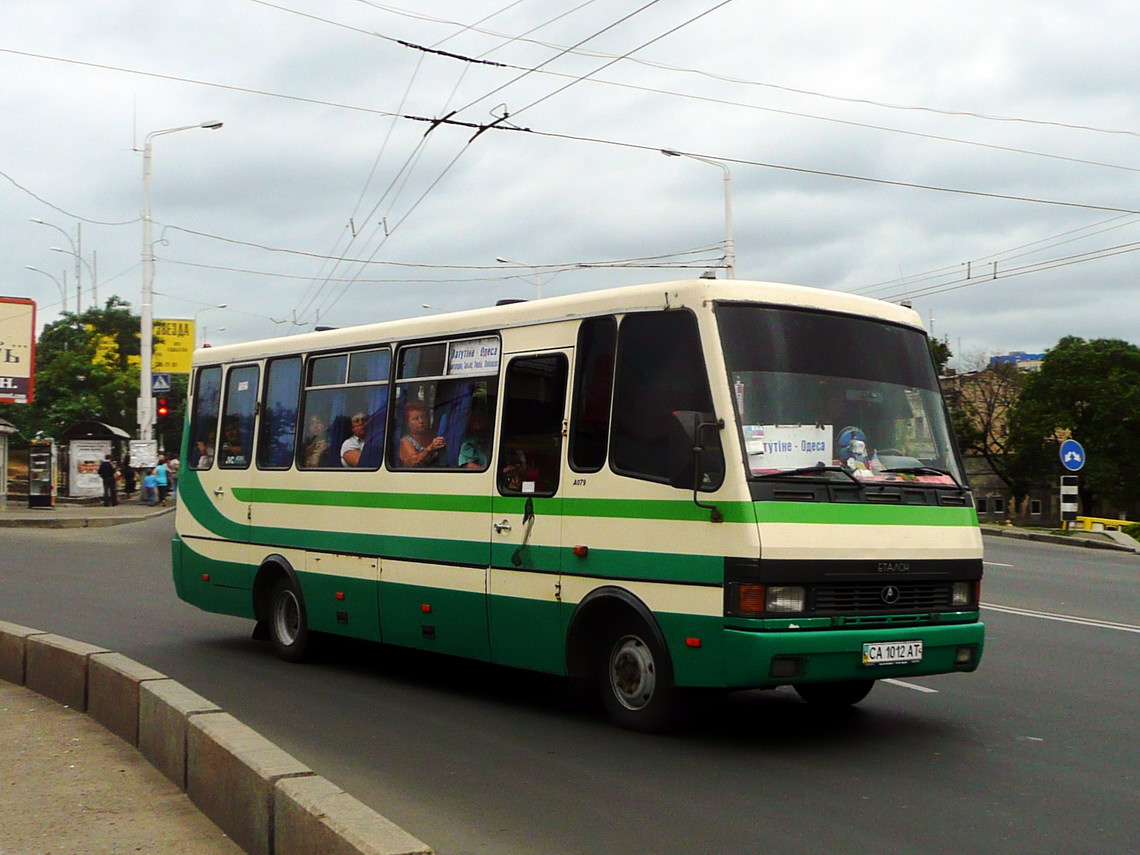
(474, 356)
(775, 447)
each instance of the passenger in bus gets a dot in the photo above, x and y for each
(418, 447)
(350, 449)
(316, 443)
(474, 453)
(233, 453)
(205, 449)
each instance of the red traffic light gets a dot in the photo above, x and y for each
(163, 409)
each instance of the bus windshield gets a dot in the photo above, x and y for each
(835, 396)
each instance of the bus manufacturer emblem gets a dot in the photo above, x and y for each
(890, 595)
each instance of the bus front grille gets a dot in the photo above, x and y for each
(861, 598)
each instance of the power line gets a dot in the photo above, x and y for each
(1042, 244)
(743, 105)
(625, 55)
(756, 83)
(971, 280)
(60, 210)
(482, 126)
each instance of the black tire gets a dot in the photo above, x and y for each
(635, 679)
(843, 694)
(288, 622)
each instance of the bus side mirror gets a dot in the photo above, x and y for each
(695, 458)
(685, 449)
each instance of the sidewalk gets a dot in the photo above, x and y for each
(70, 787)
(17, 514)
(78, 776)
(1113, 540)
(67, 785)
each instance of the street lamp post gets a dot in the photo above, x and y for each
(76, 250)
(199, 312)
(90, 269)
(729, 245)
(146, 345)
(537, 276)
(62, 286)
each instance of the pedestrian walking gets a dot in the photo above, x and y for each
(129, 478)
(150, 487)
(162, 477)
(109, 475)
(172, 467)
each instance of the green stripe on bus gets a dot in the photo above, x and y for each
(346, 499)
(435, 549)
(860, 514)
(642, 509)
(672, 510)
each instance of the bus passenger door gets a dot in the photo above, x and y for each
(526, 514)
(229, 480)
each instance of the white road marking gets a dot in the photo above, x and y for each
(1100, 624)
(914, 686)
(998, 564)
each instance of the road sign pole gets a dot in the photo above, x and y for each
(1070, 500)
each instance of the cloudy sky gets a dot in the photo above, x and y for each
(978, 158)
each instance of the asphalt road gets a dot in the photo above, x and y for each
(1035, 753)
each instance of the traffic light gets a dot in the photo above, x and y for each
(162, 408)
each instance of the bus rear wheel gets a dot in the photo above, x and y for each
(842, 694)
(288, 621)
(636, 681)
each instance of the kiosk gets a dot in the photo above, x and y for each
(41, 473)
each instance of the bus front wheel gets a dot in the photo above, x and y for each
(841, 694)
(636, 681)
(288, 622)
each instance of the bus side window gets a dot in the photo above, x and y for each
(278, 434)
(235, 450)
(593, 387)
(204, 423)
(530, 444)
(660, 371)
(444, 405)
(344, 411)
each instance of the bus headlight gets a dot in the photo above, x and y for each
(751, 599)
(785, 598)
(960, 593)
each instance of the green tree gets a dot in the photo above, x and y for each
(1089, 391)
(84, 371)
(981, 403)
(940, 352)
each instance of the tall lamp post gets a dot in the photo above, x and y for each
(90, 269)
(729, 245)
(146, 347)
(76, 250)
(197, 314)
(537, 276)
(62, 286)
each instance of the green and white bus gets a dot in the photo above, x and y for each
(696, 484)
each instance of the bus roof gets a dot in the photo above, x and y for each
(656, 296)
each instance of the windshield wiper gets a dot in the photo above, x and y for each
(812, 470)
(926, 470)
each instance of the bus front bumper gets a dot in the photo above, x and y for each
(765, 659)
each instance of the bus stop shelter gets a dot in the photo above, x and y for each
(6, 430)
(85, 445)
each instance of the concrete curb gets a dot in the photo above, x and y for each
(10, 520)
(1058, 539)
(263, 798)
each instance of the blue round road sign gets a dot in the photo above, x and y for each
(1072, 455)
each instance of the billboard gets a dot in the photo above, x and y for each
(17, 350)
(173, 346)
